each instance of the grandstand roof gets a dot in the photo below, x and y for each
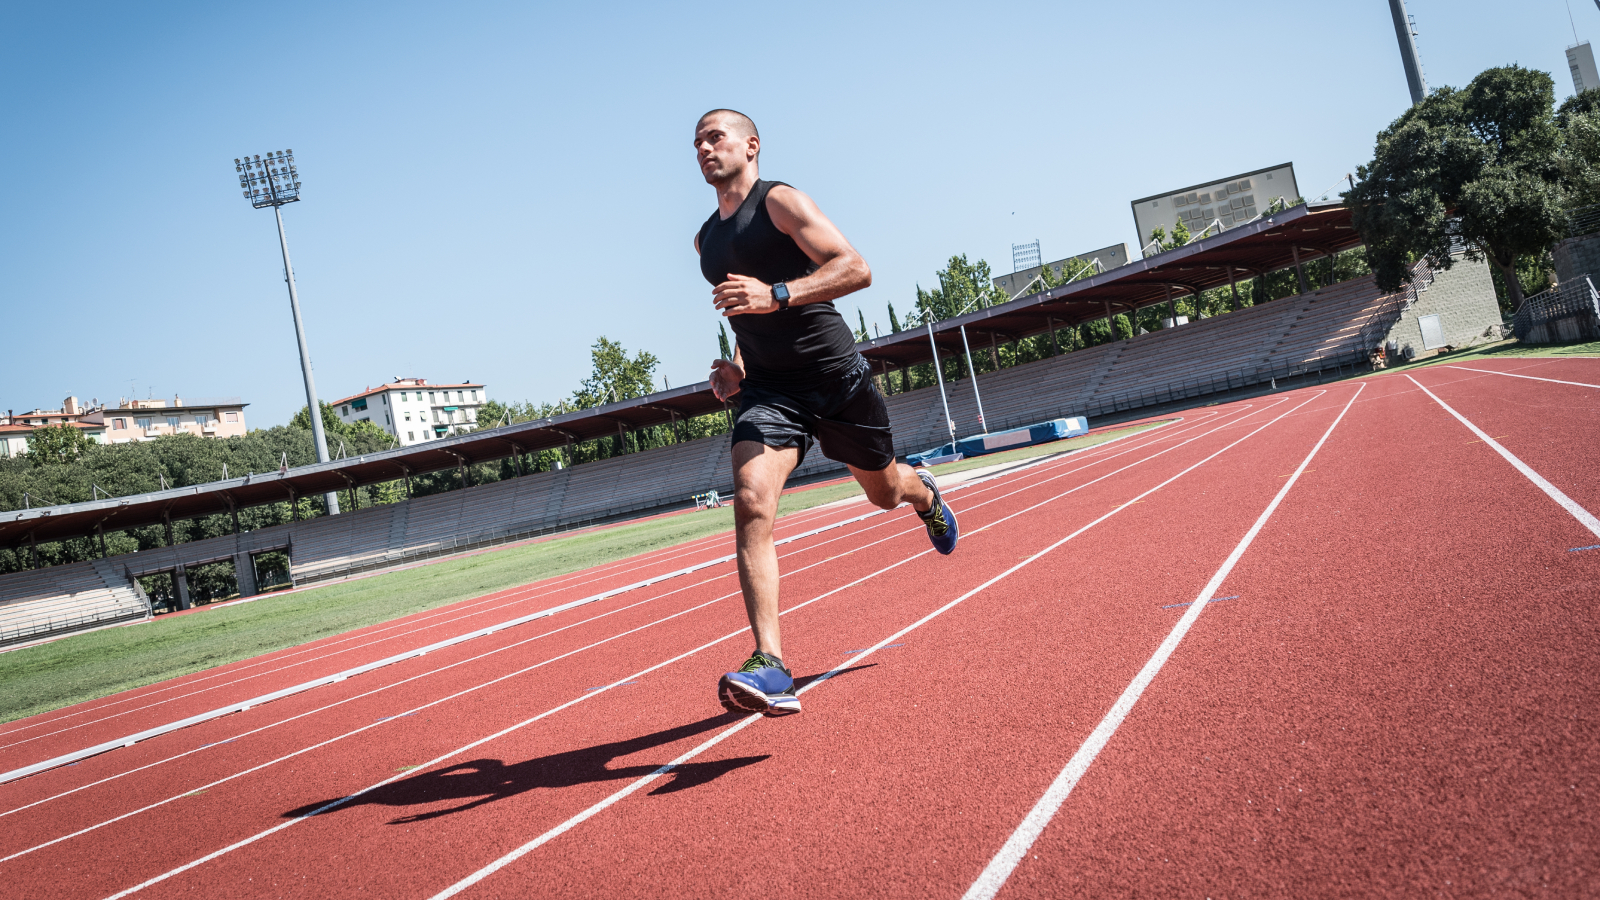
(1256, 248)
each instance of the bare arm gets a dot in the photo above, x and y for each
(840, 269)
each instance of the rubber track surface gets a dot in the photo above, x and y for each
(1395, 699)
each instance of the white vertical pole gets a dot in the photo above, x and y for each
(938, 375)
(973, 374)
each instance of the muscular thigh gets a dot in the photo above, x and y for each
(759, 473)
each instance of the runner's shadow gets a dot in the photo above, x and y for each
(482, 781)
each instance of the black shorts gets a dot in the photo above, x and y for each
(845, 414)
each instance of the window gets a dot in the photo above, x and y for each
(119, 424)
(430, 396)
(386, 419)
(411, 435)
(408, 417)
(143, 423)
(173, 423)
(459, 397)
(359, 404)
(385, 399)
(344, 410)
(233, 417)
(474, 396)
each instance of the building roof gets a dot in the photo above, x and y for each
(87, 426)
(405, 384)
(187, 403)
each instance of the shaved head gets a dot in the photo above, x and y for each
(735, 121)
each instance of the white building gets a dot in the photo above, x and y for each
(1580, 61)
(413, 410)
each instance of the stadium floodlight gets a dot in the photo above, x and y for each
(274, 181)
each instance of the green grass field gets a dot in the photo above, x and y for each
(88, 666)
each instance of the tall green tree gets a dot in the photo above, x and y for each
(1479, 164)
(615, 375)
(963, 286)
(894, 320)
(722, 341)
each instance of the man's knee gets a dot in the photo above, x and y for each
(883, 496)
(752, 503)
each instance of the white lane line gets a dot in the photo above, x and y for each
(250, 840)
(1583, 516)
(484, 740)
(1045, 465)
(511, 596)
(1512, 375)
(1016, 847)
(852, 662)
(452, 615)
(410, 712)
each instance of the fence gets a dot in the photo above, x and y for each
(1583, 221)
(1569, 311)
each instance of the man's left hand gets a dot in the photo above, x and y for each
(742, 295)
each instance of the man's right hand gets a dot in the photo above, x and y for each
(725, 378)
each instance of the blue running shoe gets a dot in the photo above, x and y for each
(940, 518)
(761, 685)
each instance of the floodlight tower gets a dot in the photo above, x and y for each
(1404, 30)
(274, 181)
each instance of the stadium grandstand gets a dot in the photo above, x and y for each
(1311, 334)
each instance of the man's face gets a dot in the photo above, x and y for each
(722, 150)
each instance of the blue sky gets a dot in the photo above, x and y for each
(490, 187)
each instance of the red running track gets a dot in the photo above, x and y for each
(1393, 700)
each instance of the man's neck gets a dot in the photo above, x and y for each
(731, 193)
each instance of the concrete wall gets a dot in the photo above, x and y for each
(1463, 299)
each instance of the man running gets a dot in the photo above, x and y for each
(776, 264)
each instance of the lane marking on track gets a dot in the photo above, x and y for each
(1044, 464)
(365, 728)
(1584, 517)
(1016, 847)
(1590, 547)
(484, 740)
(589, 695)
(512, 596)
(1193, 602)
(614, 798)
(1511, 375)
(241, 706)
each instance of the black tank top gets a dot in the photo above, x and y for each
(798, 346)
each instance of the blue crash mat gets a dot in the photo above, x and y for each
(978, 445)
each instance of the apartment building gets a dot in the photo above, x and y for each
(14, 438)
(413, 410)
(142, 420)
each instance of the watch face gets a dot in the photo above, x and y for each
(780, 292)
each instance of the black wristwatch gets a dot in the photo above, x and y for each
(780, 293)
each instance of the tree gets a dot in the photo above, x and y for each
(722, 341)
(863, 334)
(894, 320)
(1479, 165)
(615, 375)
(963, 286)
(54, 445)
(1579, 121)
